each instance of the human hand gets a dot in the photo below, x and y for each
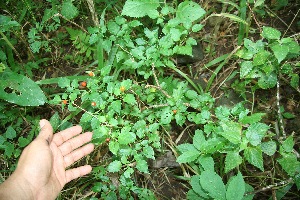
(41, 172)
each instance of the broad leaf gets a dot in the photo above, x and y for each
(271, 33)
(114, 166)
(207, 163)
(140, 8)
(232, 160)
(280, 51)
(268, 148)
(188, 12)
(288, 144)
(235, 188)
(188, 156)
(213, 184)
(19, 89)
(232, 131)
(68, 10)
(195, 183)
(290, 164)
(254, 157)
(256, 133)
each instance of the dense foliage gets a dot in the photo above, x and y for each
(128, 88)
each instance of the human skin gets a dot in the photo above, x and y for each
(42, 171)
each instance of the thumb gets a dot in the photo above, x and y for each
(46, 132)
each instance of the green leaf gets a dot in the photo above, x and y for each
(142, 166)
(269, 147)
(68, 10)
(126, 137)
(198, 139)
(114, 147)
(195, 183)
(130, 99)
(294, 81)
(261, 58)
(232, 131)
(213, 184)
(10, 133)
(140, 8)
(19, 89)
(54, 121)
(166, 116)
(188, 12)
(148, 152)
(207, 163)
(280, 51)
(23, 141)
(191, 94)
(267, 81)
(271, 33)
(246, 67)
(114, 166)
(290, 164)
(254, 157)
(188, 156)
(232, 160)
(235, 188)
(256, 117)
(288, 144)
(197, 27)
(256, 132)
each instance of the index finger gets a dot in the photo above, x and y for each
(63, 136)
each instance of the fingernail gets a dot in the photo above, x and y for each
(42, 123)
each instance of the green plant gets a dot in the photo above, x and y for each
(268, 61)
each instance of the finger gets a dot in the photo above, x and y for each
(63, 136)
(75, 142)
(46, 132)
(77, 154)
(72, 174)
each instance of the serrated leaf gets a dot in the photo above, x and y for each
(188, 156)
(68, 10)
(140, 8)
(130, 99)
(290, 164)
(268, 148)
(175, 34)
(271, 33)
(280, 51)
(254, 156)
(198, 139)
(189, 12)
(256, 132)
(114, 147)
(213, 184)
(236, 188)
(126, 138)
(195, 183)
(166, 116)
(267, 81)
(246, 67)
(288, 144)
(261, 58)
(256, 117)
(148, 152)
(232, 131)
(207, 163)
(114, 166)
(232, 160)
(191, 94)
(142, 166)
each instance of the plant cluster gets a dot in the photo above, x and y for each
(128, 98)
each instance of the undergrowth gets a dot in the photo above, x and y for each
(128, 89)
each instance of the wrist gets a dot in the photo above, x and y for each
(16, 188)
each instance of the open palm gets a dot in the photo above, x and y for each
(43, 164)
